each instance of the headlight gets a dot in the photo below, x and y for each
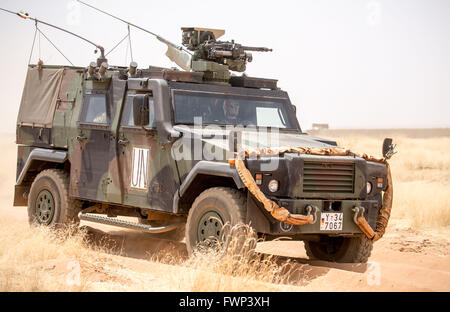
(273, 186)
(369, 187)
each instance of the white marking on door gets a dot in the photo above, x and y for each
(139, 168)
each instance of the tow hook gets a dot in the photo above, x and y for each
(361, 222)
(356, 210)
(312, 209)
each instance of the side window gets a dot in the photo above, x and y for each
(95, 109)
(127, 117)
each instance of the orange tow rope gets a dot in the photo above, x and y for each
(283, 215)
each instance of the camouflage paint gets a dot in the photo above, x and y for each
(101, 164)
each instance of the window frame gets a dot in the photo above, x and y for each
(282, 100)
(82, 123)
(127, 110)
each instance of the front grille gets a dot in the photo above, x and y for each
(328, 177)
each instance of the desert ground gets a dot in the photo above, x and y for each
(413, 255)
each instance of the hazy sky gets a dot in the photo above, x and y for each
(352, 64)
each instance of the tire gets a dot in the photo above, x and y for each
(340, 249)
(211, 210)
(49, 203)
(176, 235)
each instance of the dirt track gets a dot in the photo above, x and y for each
(404, 260)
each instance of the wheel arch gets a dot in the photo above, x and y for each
(205, 175)
(38, 160)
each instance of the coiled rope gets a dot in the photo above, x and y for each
(283, 215)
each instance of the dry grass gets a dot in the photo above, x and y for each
(40, 259)
(420, 170)
(236, 267)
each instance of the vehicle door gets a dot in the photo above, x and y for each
(89, 167)
(148, 171)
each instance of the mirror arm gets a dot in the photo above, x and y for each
(175, 134)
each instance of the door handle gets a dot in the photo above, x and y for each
(81, 138)
(123, 142)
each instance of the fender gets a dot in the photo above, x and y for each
(212, 168)
(41, 154)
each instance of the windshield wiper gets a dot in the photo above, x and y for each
(281, 117)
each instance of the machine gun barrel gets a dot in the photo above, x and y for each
(221, 53)
(257, 49)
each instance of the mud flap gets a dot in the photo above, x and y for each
(20, 195)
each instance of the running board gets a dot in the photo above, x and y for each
(126, 224)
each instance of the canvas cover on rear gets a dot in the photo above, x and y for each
(39, 97)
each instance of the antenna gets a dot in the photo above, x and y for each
(138, 27)
(23, 15)
(174, 52)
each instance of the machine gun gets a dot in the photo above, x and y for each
(213, 58)
(227, 53)
(216, 58)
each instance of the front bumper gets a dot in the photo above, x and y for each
(263, 222)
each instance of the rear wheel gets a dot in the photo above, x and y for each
(340, 249)
(211, 210)
(49, 202)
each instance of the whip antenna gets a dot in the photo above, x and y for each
(176, 53)
(27, 17)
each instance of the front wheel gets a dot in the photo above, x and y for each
(340, 249)
(210, 212)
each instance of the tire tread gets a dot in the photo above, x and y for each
(71, 207)
(358, 251)
(235, 197)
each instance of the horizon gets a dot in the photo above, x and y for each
(359, 65)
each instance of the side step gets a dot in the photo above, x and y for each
(126, 224)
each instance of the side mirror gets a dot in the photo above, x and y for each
(141, 110)
(388, 148)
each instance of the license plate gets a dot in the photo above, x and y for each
(331, 221)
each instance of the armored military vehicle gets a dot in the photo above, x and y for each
(186, 152)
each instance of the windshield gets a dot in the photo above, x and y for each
(233, 110)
